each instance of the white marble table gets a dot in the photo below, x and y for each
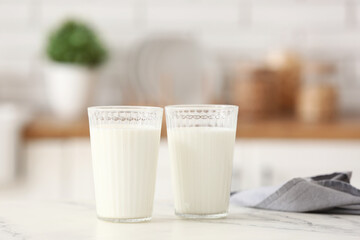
(53, 220)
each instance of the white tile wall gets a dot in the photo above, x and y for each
(294, 15)
(344, 42)
(19, 46)
(194, 15)
(240, 27)
(248, 41)
(109, 16)
(356, 11)
(14, 14)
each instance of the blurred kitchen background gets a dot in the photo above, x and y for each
(292, 67)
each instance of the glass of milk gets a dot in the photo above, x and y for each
(124, 146)
(201, 142)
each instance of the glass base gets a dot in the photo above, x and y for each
(125, 220)
(201, 216)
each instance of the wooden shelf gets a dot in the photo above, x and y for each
(342, 128)
(49, 127)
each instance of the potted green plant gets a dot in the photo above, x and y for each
(75, 53)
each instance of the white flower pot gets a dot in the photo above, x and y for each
(69, 88)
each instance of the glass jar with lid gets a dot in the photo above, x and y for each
(253, 91)
(317, 97)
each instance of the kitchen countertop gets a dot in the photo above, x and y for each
(39, 220)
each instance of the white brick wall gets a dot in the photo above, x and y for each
(240, 27)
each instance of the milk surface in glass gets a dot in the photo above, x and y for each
(202, 167)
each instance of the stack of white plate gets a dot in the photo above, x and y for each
(171, 70)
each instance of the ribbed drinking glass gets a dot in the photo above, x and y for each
(201, 142)
(124, 145)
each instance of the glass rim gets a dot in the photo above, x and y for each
(201, 106)
(124, 108)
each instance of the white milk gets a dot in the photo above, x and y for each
(202, 166)
(124, 164)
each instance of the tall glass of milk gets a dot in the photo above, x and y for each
(124, 146)
(201, 142)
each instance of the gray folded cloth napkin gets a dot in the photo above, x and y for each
(330, 193)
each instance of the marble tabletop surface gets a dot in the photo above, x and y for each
(53, 220)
